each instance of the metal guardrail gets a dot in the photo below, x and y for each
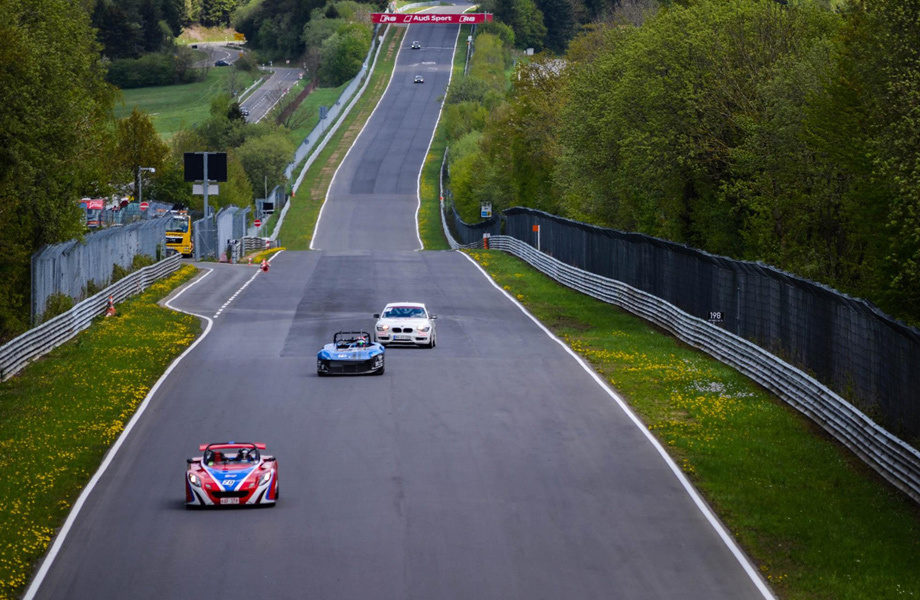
(252, 243)
(324, 127)
(18, 352)
(890, 456)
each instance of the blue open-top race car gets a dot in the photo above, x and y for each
(350, 353)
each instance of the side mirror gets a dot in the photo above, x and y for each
(268, 458)
(376, 315)
(192, 461)
(432, 316)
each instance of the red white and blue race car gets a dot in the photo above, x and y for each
(230, 473)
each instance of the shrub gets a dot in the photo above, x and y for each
(140, 261)
(56, 304)
(119, 272)
(90, 288)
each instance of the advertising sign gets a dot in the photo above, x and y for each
(431, 18)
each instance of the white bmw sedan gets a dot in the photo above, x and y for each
(405, 323)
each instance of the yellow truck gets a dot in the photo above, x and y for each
(179, 234)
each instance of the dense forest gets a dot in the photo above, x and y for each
(782, 132)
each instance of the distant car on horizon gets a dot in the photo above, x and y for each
(416, 45)
(194, 45)
(221, 63)
(244, 111)
(419, 79)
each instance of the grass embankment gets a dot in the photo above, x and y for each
(173, 106)
(300, 221)
(429, 215)
(59, 417)
(818, 523)
(307, 114)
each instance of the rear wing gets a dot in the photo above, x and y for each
(258, 445)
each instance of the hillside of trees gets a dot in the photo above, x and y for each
(60, 142)
(782, 132)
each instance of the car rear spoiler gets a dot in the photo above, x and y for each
(259, 445)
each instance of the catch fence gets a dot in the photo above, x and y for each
(18, 352)
(76, 267)
(461, 231)
(846, 343)
(891, 457)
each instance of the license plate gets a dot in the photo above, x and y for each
(229, 500)
(402, 337)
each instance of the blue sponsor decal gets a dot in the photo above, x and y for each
(229, 479)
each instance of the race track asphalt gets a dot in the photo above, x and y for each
(492, 466)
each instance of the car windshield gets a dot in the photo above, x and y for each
(178, 225)
(404, 312)
(228, 456)
(357, 341)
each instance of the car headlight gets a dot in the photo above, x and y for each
(193, 479)
(265, 477)
(425, 328)
(383, 327)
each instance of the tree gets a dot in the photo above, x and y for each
(525, 19)
(343, 54)
(893, 76)
(559, 19)
(265, 157)
(53, 136)
(138, 145)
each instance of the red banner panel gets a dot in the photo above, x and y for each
(431, 18)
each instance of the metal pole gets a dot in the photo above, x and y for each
(140, 185)
(207, 220)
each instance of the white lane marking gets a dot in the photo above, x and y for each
(418, 187)
(78, 505)
(700, 503)
(355, 143)
(245, 285)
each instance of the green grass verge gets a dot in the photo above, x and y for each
(300, 221)
(173, 106)
(818, 523)
(429, 215)
(308, 110)
(59, 417)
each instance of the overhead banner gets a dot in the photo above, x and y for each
(431, 18)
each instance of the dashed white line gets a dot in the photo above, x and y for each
(245, 285)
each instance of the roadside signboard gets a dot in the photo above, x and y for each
(257, 222)
(431, 18)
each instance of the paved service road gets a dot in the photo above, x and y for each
(492, 466)
(267, 95)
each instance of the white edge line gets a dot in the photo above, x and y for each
(697, 499)
(358, 137)
(418, 187)
(110, 455)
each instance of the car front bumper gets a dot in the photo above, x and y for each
(349, 367)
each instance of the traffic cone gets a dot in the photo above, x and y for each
(265, 265)
(110, 311)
